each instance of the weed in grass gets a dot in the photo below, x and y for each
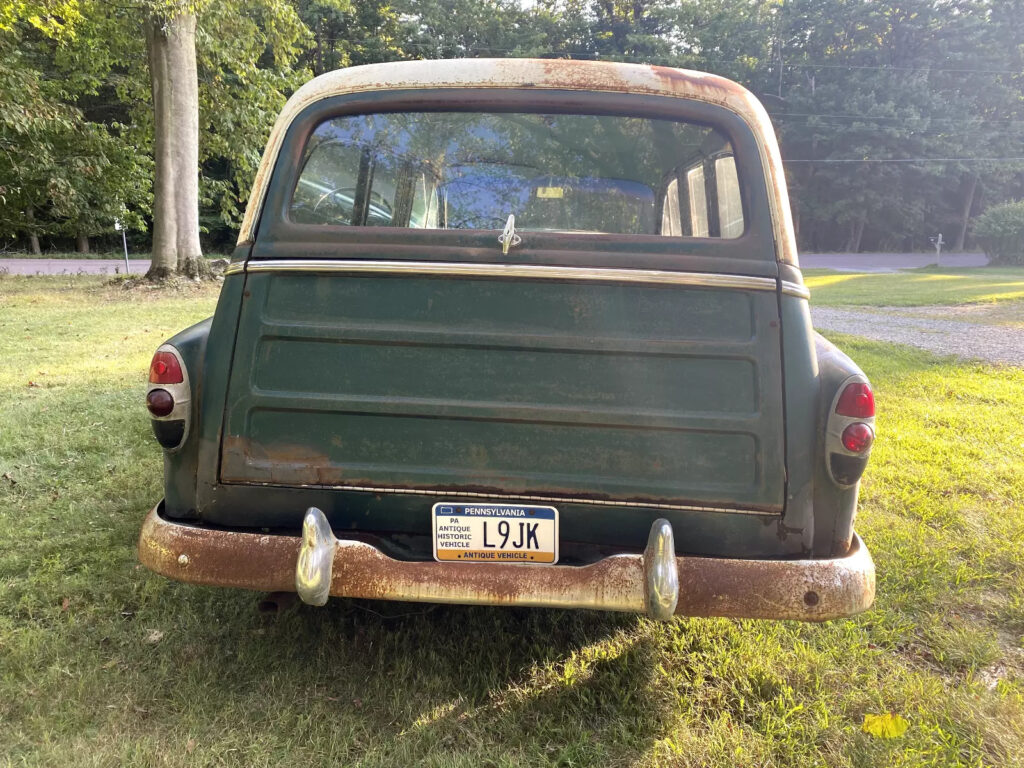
(103, 663)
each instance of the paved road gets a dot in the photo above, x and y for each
(72, 266)
(847, 262)
(852, 262)
(887, 262)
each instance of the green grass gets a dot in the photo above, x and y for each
(105, 664)
(915, 288)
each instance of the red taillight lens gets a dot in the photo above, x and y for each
(858, 438)
(165, 369)
(159, 402)
(857, 401)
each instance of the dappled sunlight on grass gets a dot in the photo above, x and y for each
(917, 277)
(74, 329)
(911, 288)
(815, 280)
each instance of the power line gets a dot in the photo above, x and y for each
(906, 160)
(956, 120)
(467, 53)
(922, 68)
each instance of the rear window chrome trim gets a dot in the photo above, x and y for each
(521, 272)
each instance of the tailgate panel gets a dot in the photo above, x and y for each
(666, 394)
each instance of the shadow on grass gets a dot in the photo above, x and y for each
(401, 680)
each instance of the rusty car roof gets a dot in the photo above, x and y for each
(548, 74)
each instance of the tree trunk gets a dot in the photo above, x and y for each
(856, 233)
(82, 243)
(971, 188)
(33, 238)
(171, 46)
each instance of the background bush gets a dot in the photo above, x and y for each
(1000, 231)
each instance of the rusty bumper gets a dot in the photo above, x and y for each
(809, 590)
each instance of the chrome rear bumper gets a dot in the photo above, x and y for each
(318, 565)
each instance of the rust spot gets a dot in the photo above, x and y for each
(362, 571)
(700, 85)
(282, 463)
(784, 530)
(776, 589)
(219, 558)
(287, 464)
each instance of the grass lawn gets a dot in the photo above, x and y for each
(917, 287)
(105, 664)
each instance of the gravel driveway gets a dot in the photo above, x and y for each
(941, 330)
(887, 262)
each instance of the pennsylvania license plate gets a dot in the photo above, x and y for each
(495, 533)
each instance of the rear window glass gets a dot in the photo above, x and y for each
(558, 173)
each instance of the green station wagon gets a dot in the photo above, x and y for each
(517, 332)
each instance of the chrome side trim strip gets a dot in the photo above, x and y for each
(457, 494)
(795, 289)
(516, 271)
(521, 270)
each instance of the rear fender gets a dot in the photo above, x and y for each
(835, 505)
(191, 468)
(180, 464)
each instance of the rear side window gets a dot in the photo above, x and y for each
(554, 172)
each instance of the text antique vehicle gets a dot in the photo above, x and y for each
(517, 332)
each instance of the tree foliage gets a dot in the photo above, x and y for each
(898, 120)
(62, 172)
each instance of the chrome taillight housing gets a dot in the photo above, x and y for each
(169, 397)
(850, 431)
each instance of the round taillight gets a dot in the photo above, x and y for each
(858, 437)
(160, 403)
(857, 401)
(165, 369)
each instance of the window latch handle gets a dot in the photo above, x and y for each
(508, 237)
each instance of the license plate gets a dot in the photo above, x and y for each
(495, 533)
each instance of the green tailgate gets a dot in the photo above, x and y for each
(633, 392)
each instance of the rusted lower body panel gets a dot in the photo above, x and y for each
(808, 590)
